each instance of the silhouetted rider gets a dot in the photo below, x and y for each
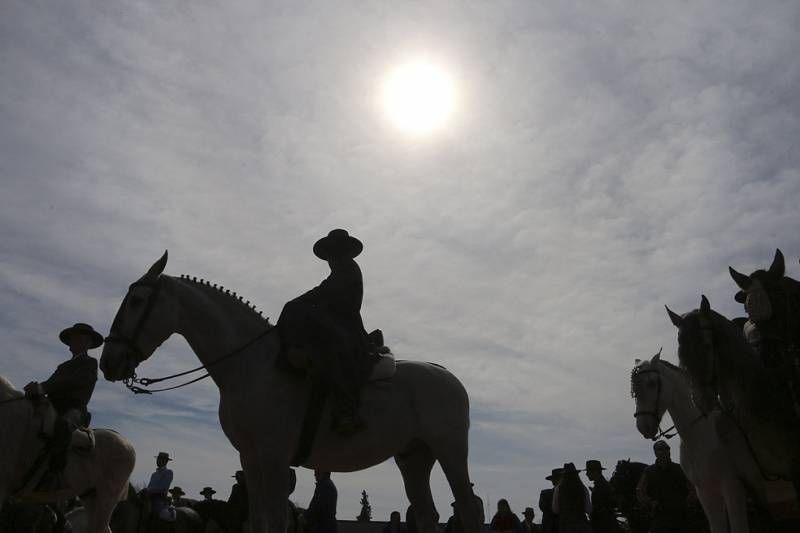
(327, 319)
(69, 389)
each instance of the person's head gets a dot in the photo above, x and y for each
(394, 518)
(162, 459)
(555, 476)
(319, 475)
(80, 338)
(503, 507)
(207, 493)
(661, 449)
(529, 514)
(594, 470)
(239, 476)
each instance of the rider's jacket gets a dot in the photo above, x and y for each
(72, 384)
(341, 293)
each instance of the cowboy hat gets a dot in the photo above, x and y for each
(593, 464)
(84, 329)
(207, 490)
(528, 511)
(569, 468)
(176, 490)
(337, 244)
(237, 473)
(557, 472)
(163, 455)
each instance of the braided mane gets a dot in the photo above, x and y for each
(226, 292)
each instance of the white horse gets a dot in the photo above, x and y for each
(419, 416)
(99, 477)
(721, 472)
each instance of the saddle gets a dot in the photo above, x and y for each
(82, 439)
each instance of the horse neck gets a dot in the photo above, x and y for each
(7, 390)
(680, 406)
(213, 323)
(738, 367)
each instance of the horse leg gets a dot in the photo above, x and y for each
(255, 492)
(714, 506)
(415, 466)
(276, 491)
(452, 457)
(735, 499)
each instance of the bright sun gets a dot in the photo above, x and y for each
(418, 97)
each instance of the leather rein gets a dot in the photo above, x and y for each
(140, 385)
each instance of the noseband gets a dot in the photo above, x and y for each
(117, 337)
(654, 412)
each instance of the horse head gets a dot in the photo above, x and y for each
(652, 395)
(761, 290)
(697, 355)
(145, 319)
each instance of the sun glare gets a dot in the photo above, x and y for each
(418, 97)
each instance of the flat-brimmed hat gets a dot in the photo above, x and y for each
(528, 511)
(207, 490)
(337, 244)
(569, 468)
(163, 455)
(176, 491)
(661, 444)
(85, 329)
(593, 464)
(237, 473)
(554, 474)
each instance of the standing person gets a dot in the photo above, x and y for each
(504, 520)
(158, 487)
(238, 504)
(411, 520)
(322, 509)
(479, 504)
(454, 522)
(665, 489)
(604, 517)
(549, 518)
(527, 523)
(69, 390)
(177, 495)
(394, 525)
(571, 502)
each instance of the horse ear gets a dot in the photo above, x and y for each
(674, 317)
(705, 306)
(157, 268)
(656, 358)
(778, 266)
(741, 280)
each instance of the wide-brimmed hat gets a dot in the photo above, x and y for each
(163, 455)
(528, 511)
(237, 473)
(661, 444)
(569, 468)
(207, 490)
(337, 244)
(86, 329)
(593, 464)
(177, 491)
(554, 474)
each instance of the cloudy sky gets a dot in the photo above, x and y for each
(602, 159)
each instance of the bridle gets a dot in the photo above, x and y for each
(707, 343)
(655, 411)
(139, 385)
(117, 337)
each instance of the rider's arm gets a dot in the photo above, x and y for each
(68, 378)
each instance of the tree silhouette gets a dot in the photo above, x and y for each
(366, 509)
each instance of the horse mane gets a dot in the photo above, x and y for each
(232, 296)
(7, 390)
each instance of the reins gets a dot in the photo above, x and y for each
(131, 383)
(140, 385)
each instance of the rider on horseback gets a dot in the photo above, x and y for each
(326, 321)
(69, 390)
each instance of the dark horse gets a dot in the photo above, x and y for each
(624, 481)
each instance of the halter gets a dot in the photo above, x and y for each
(115, 336)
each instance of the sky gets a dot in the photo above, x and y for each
(603, 159)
